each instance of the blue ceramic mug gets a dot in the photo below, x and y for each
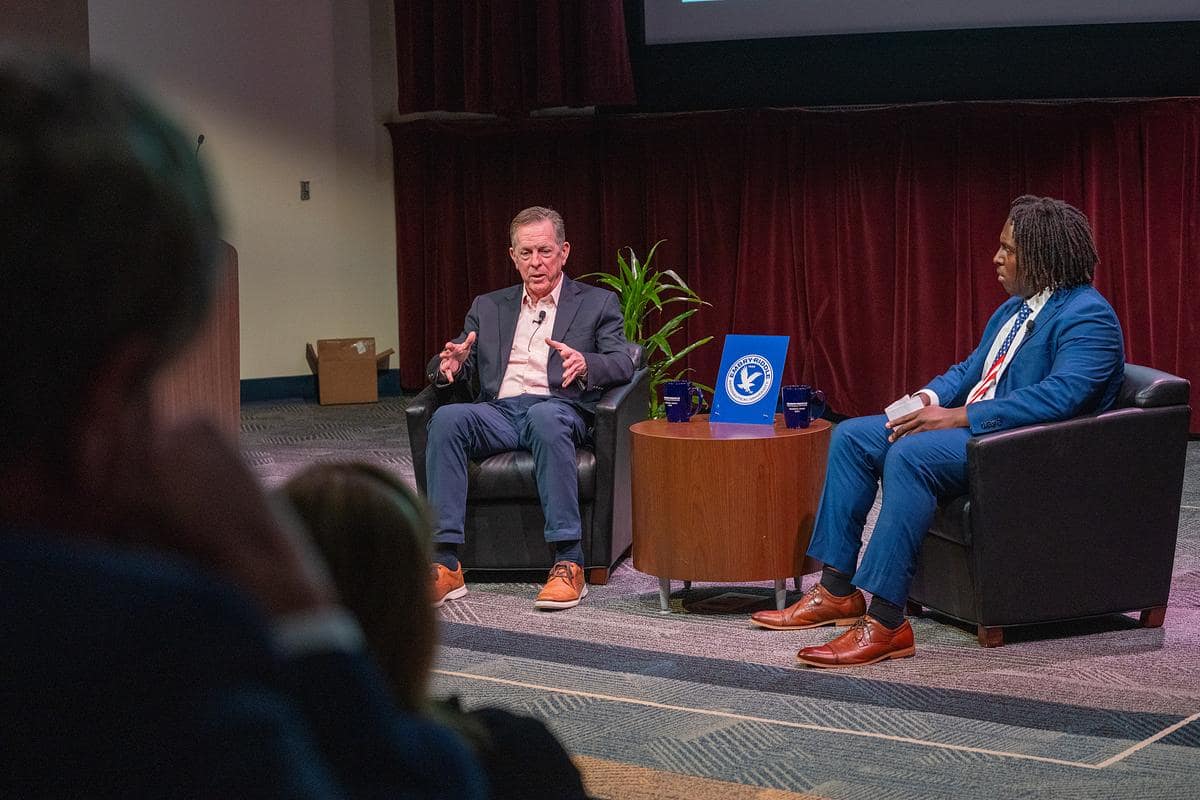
(682, 400)
(801, 405)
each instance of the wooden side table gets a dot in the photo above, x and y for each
(716, 501)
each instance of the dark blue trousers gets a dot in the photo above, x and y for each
(914, 471)
(547, 427)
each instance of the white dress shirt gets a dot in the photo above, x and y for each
(1037, 302)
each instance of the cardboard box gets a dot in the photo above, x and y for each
(346, 369)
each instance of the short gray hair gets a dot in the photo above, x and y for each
(535, 214)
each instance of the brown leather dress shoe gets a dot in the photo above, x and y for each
(564, 588)
(816, 608)
(867, 642)
(447, 585)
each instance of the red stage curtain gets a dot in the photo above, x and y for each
(866, 236)
(511, 56)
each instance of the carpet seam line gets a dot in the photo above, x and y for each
(829, 729)
(1167, 731)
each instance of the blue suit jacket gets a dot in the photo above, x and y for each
(1071, 364)
(125, 674)
(588, 319)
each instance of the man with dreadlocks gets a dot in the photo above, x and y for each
(1052, 351)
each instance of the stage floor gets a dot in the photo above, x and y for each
(696, 703)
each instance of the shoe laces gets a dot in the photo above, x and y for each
(813, 597)
(561, 570)
(861, 630)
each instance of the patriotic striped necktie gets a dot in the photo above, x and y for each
(990, 377)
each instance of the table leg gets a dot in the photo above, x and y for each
(687, 586)
(664, 595)
(780, 593)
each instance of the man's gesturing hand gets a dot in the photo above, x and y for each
(930, 418)
(453, 355)
(574, 364)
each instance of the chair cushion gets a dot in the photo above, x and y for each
(509, 476)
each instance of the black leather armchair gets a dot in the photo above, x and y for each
(1064, 520)
(504, 523)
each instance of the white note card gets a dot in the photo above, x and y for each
(905, 405)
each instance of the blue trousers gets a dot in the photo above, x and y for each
(547, 427)
(915, 471)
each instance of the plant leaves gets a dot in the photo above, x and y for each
(643, 293)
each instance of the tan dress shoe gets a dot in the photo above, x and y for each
(816, 608)
(564, 588)
(867, 642)
(447, 585)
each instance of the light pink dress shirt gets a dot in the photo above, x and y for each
(526, 373)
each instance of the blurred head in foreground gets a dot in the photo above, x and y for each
(108, 238)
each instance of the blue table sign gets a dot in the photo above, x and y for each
(747, 386)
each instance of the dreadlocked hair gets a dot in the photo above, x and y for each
(1055, 248)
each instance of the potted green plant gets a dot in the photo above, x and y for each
(644, 294)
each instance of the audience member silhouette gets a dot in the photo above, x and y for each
(374, 533)
(166, 633)
(371, 530)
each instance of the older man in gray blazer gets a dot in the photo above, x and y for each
(543, 352)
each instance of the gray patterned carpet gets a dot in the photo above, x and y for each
(697, 704)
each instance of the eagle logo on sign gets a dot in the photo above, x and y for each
(749, 379)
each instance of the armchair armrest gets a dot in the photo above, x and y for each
(1093, 500)
(1146, 387)
(420, 411)
(418, 414)
(621, 407)
(617, 409)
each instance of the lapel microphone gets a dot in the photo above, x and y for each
(541, 317)
(1028, 327)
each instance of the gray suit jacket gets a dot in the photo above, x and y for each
(588, 319)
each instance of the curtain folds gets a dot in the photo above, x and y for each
(864, 235)
(511, 56)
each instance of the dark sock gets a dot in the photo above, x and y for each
(569, 551)
(446, 554)
(892, 616)
(836, 583)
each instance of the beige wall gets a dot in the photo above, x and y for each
(283, 92)
(56, 24)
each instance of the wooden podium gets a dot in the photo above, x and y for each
(717, 501)
(205, 379)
